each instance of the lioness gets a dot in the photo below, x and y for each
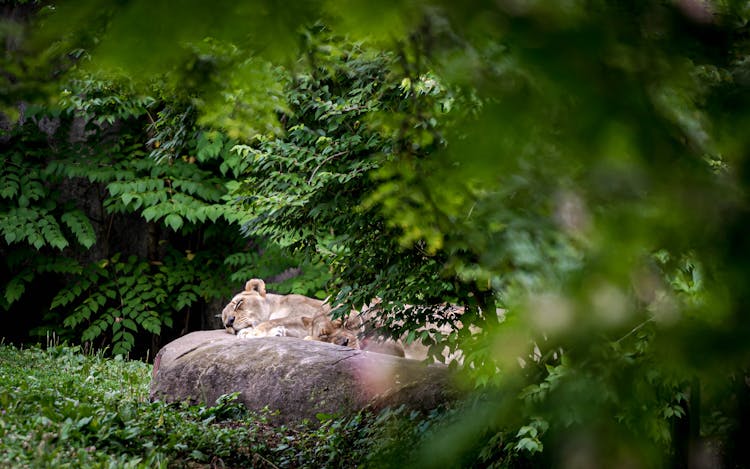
(253, 306)
(367, 324)
(256, 313)
(319, 327)
(324, 329)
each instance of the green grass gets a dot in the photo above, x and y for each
(60, 408)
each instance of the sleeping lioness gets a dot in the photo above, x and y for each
(256, 313)
(253, 306)
(319, 327)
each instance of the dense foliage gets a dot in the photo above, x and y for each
(581, 165)
(115, 217)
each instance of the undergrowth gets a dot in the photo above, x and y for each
(60, 407)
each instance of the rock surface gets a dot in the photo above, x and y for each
(299, 378)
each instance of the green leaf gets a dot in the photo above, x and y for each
(152, 325)
(14, 289)
(51, 232)
(130, 324)
(151, 213)
(209, 145)
(128, 338)
(91, 333)
(9, 186)
(174, 221)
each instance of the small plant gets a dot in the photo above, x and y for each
(117, 299)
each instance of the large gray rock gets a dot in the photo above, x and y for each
(299, 378)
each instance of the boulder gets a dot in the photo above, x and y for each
(298, 378)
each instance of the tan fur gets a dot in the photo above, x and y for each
(368, 322)
(256, 285)
(256, 313)
(253, 306)
(333, 331)
(384, 346)
(281, 327)
(318, 327)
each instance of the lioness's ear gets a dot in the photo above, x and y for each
(307, 321)
(256, 285)
(337, 322)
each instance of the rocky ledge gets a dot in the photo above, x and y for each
(297, 378)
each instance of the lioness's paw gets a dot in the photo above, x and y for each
(278, 331)
(246, 333)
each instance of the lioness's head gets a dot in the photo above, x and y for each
(323, 329)
(340, 336)
(247, 309)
